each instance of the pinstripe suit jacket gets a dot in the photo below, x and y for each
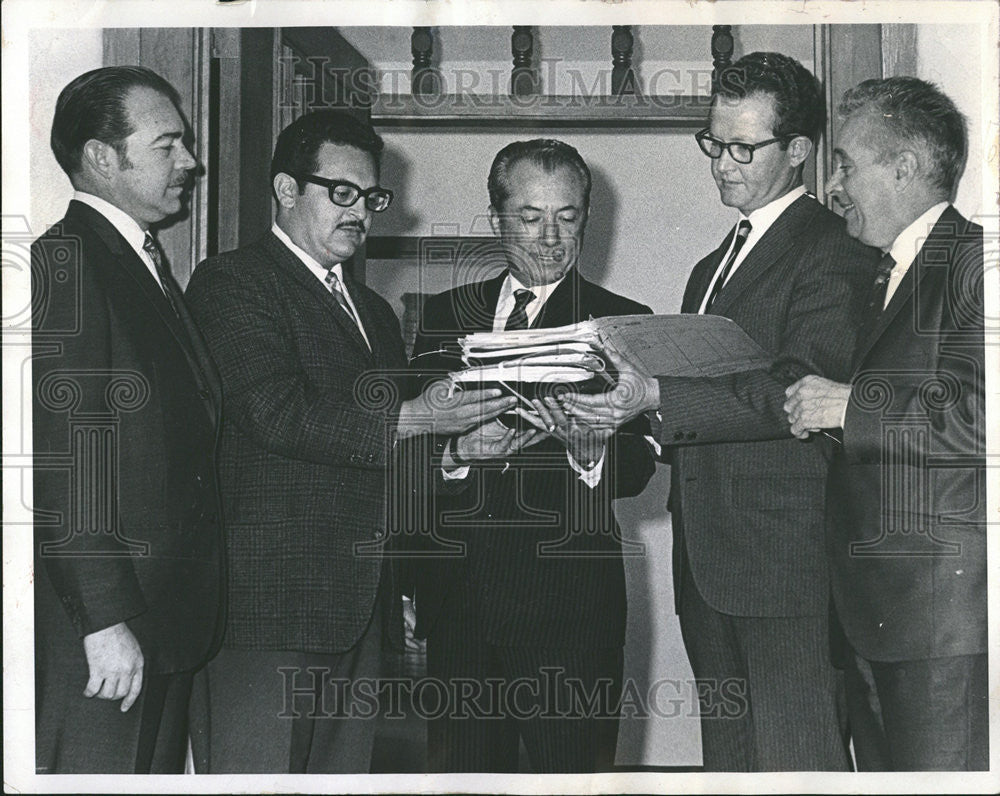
(907, 492)
(542, 550)
(305, 446)
(747, 498)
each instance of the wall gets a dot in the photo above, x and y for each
(55, 58)
(947, 55)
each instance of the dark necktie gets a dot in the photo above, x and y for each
(337, 289)
(170, 290)
(518, 318)
(742, 232)
(876, 297)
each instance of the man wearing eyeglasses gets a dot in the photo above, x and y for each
(306, 443)
(747, 504)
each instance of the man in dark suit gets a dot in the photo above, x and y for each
(749, 570)
(528, 621)
(906, 505)
(308, 434)
(128, 544)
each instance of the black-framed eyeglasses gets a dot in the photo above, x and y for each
(738, 151)
(345, 194)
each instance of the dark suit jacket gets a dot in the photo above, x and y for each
(747, 498)
(307, 438)
(125, 407)
(907, 499)
(569, 594)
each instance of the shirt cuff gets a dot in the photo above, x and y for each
(592, 476)
(656, 426)
(452, 475)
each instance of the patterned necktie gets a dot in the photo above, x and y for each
(166, 280)
(742, 232)
(518, 318)
(876, 297)
(337, 289)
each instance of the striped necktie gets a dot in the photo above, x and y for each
(518, 318)
(336, 287)
(170, 290)
(742, 232)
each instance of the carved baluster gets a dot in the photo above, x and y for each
(424, 78)
(722, 50)
(523, 80)
(622, 74)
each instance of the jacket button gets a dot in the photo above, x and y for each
(692, 434)
(679, 435)
(371, 457)
(204, 394)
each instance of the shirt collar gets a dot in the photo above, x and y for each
(307, 259)
(904, 249)
(512, 284)
(763, 217)
(127, 226)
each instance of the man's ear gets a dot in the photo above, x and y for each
(494, 220)
(286, 189)
(906, 168)
(799, 149)
(99, 158)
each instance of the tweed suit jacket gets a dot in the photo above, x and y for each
(307, 438)
(125, 402)
(747, 498)
(907, 533)
(542, 550)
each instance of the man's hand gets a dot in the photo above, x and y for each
(492, 441)
(437, 411)
(815, 403)
(115, 662)
(411, 642)
(585, 443)
(636, 392)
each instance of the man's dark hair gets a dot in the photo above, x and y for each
(799, 107)
(300, 142)
(546, 153)
(911, 113)
(93, 107)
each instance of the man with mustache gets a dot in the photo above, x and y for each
(746, 500)
(525, 626)
(128, 557)
(308, 434)
(906, 507)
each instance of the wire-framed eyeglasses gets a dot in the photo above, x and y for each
(738, 151)
(345, 194)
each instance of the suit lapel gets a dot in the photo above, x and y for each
(183, 328)
(297, 270)
(478, 305)
(562, 307)
(778, 239)
(942, 230)
(704, 273)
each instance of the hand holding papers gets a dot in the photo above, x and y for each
(640, 347)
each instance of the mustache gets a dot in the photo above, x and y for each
(351, 225)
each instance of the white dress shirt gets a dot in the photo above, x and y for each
(761, 221)
(907, 246)
(505, 306)
(127, 227)
(321, 273)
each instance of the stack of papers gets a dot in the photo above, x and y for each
(564, 355)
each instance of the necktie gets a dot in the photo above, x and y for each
(166, 280)
(742, 232)
(876, 297)
(518, 318)
(337, 289)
